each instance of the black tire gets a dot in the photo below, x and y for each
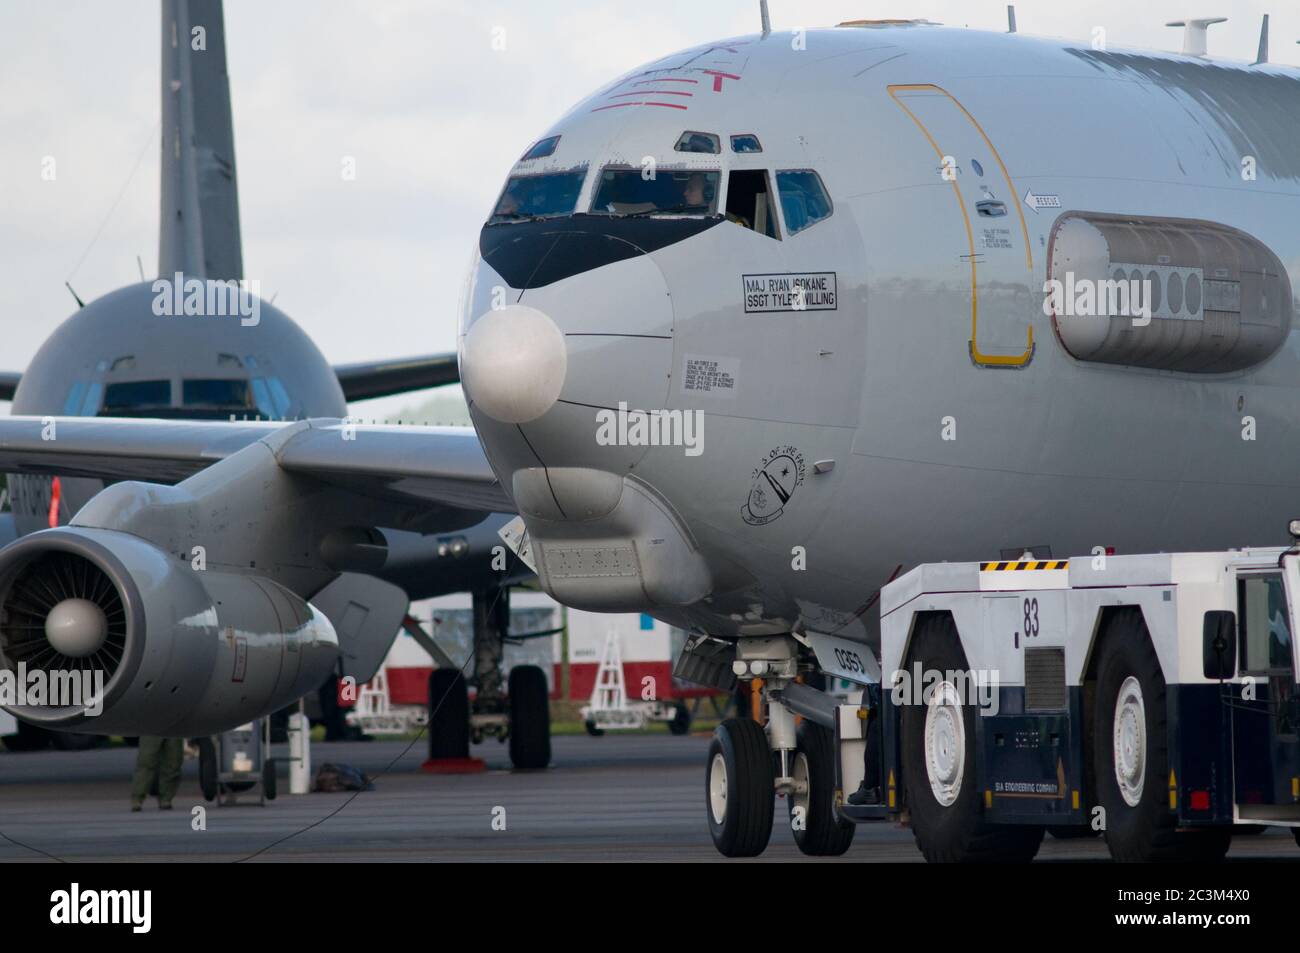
(1295, 832)
(740, 821)
(823, 833)
(448, 715)
(1071, 831)
(269, 779)
(207, 769)
(530, 718)
(592, 729)
(956, 832)
(681, 721)
(1143, 832)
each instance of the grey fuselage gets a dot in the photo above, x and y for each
(116, 357)
(916, 420)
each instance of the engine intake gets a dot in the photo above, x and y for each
(168, 650)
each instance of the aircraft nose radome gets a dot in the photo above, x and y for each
(513, 363)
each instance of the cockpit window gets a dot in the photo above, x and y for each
(539, 196)
(226, 394)
(83, 399)
(804, 200)
(542, 148)
(270, 397)
(698, 142)
(749, 202)
(130, 398)
(626, 192)
(746, 143)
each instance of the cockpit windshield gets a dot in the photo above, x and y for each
(136, 399)
(630, 192)
(538, 196)
(258, 398)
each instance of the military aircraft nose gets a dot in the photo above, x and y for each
(513, 363)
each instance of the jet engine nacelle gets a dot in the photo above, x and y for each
(138, 641)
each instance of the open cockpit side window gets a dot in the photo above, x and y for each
(749, 202)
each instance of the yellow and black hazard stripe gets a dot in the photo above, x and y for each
(1025, 564)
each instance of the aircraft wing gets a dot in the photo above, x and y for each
(159, 451)
(413, 467)
(382, 378)
(8, 384)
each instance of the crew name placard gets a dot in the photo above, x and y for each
(795, 291)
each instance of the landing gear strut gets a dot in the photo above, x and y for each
(748, 764)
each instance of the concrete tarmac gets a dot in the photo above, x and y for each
(617, 798)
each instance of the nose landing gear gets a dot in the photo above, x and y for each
(749, 764)
(517, 710)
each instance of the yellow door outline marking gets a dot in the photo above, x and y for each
(984, 360)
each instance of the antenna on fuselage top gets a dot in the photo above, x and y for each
(764, 17)
(1262, 56)
(75, 297)
(140, 265)
(1011, 18)
(1194, 33)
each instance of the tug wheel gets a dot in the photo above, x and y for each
(938, 753)
(1131, 754)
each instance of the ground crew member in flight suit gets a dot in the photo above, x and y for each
(869, 792)
(158, 761)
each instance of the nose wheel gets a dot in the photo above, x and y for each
(739, 788)
(530, 718)
(516, 710)
(818, 831)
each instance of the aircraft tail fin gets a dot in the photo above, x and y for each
(198, 230)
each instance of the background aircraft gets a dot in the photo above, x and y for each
(117, 357)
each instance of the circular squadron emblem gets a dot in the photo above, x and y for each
(775, 479)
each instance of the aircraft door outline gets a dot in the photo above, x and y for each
(980, 358)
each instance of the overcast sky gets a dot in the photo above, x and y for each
(433, 114)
